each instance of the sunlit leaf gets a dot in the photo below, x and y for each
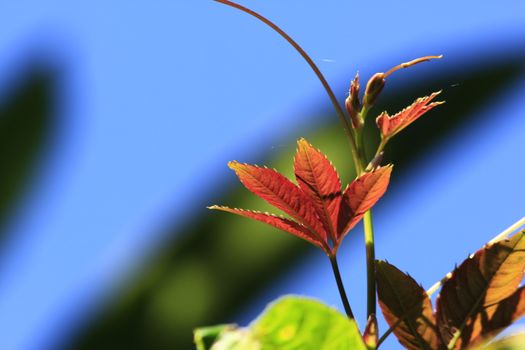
(281, 223)
(205, 337)
(407, 307)
(503, 314)
(292, 323)
(361, 195)
(322, 214)
(391, 125)
(479, 299)
(318, 178)
(511, 342)
(281, 193)
(300, 323)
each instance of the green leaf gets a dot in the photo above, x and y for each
(481, 297)
(27, 124)
(205, 337)
(512, 342)
(293, 323)
(300, 323)
(406, 307)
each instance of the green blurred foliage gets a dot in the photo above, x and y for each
(292, 323)
(26, 120)
(210, 268)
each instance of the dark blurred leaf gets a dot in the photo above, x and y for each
(211, 266)
(479, 299)
(26, 119)
(407, 307)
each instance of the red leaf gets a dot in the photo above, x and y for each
(406, 307)
(391, 125)
(281, 223)
(468, 304)
(282, 194)
(503, 314)
(360, 196)
(318, 178)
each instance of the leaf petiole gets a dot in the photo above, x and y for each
(340, 286)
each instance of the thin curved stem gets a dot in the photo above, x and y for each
(346, 124)
(388, 332)
(381, 147)
(340, 286)
(411, 63)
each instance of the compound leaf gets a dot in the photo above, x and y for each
(318, 178)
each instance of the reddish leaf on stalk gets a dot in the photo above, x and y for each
(318, 178)
(280, 192)
(279, 222)
(391, 125)
(482, 296)
(361, 195)
(407, 308)
(321, 214)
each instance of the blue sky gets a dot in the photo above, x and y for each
(158, 96)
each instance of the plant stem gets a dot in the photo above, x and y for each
(340, 286)
(388, 332)
(381, 147)
(346, 124)
(370, 263)
(369, 233)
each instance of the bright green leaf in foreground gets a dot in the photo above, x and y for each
(291, 323)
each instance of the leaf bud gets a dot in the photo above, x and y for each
(352, 103)
(373, 88)
(370, 334)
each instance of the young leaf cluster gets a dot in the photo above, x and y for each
(321, 212)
